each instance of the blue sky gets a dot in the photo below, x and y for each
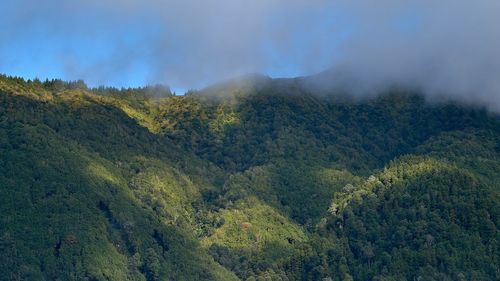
(442, 46)
(131, 44)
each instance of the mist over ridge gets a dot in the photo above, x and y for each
(448, 49)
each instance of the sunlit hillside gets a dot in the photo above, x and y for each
(257, 179)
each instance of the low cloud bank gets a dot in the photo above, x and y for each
(450, 49)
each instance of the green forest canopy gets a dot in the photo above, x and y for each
(259, 181)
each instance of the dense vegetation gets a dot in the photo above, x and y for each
(256, 179)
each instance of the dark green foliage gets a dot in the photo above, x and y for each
(259, 180)
(419, 217)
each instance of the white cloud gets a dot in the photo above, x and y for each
(447, 47)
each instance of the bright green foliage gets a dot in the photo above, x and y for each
(419, 217)
(253, 180)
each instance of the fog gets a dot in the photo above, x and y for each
(448, 49)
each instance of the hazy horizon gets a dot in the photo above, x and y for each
(448, 48)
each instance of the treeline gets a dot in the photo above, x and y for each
(264, 183)
(59, 85)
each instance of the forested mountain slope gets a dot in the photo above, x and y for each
(255, 179)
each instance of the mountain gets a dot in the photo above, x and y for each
(253, 179)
